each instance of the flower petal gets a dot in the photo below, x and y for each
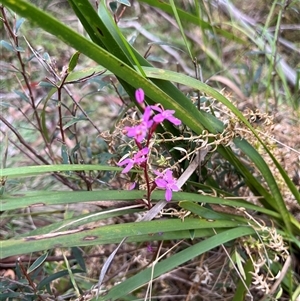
(174, 120)
(128, 167)
(161, 183)
(168, 195)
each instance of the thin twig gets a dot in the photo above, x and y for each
(26, 79)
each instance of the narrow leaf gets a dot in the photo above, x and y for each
(73, 62)
(38, 262)
(7, 45)
(19, 23)
(55, 276)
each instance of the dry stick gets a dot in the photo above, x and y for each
(200, 156)
(31, 283)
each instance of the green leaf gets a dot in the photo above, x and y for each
(55, 276)
(125, 2)
(38, 262)
(27, 171)
(44, 125)
(113, 5)
(7, 45)
(86, 73)
(80, 220)
(65, 155)
(22, 95)
(265, 171)
(25, 199)
(77, 253)
(19, 23)
(74, 121)
(174, 9)
(86, 236)
(205, 212)
(73, 62)
(71, 274)
(241, 289)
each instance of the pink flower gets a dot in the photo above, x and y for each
(139, 95)
(149, 248)
(132, 186)
(166, 181)
(165, 114)
(139, 132)
(138, 158)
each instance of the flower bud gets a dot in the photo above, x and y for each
(139, 95)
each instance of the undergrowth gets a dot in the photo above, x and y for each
(149, 150)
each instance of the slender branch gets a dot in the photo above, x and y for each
(32, 150)
(23, 72)
(30, 282)
(21, 149)
(59, 88)
(22, 141)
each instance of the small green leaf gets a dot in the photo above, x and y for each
(47, 58)
(240, 263)
(124, 2)
(73, 62)
(20, 49)
(192, 233)
(22, 95)
(46, 84)
(19, 24)
(155, 58)
(44, 125)
(7, 45)
(55, 276)
(279, 294)
(113, 6)
(77, 253)
(38, 262)
(73, 121)
(65, 154)
(85, 74)
(7, 105)
(71, 274)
